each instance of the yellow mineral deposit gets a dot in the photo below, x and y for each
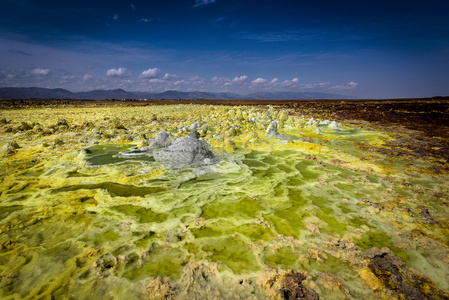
(282, 205)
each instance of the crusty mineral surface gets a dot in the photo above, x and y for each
(194, 201)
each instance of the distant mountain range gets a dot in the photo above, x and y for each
(42, 93)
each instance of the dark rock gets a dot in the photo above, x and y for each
(87, 150)
(403, 281)
(24, 126)
(58, 142)
(427, 218)
(62, 122)
(87, 124)
(292, 287)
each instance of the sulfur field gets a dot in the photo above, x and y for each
(203, 201)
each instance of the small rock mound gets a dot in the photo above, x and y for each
(10, 148)
(334, 125)
(24, 126)
(288, 285)
(272, 129)
(185, 151)
(163, 139)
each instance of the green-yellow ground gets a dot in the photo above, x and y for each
(78, 225)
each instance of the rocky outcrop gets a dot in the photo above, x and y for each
(399, 280)
(185, 152)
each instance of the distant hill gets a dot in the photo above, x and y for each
(42, 93)
(35, 93)
(106, 94)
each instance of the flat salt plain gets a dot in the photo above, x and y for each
(343, 210)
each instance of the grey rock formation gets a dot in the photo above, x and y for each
(272, 129)
(162, 140)
(185, 152)
(334, 125)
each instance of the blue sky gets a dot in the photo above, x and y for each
(368, 49)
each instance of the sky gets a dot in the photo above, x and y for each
(364, 49)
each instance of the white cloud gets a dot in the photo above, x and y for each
(286, 83)
(295, 80)
(314, 85)
(353, 84)
(117, 72)
(203, 2)
(348, 86)
(151, 73)
(160, 81)
(168, 76)
(197, 78)
(198, 81)
(274, 81)
(144, 20)
(240, 79)
(216, 79)
(115, 17)
(221, 81)
(133, 7)
(259, 81)
(39, 71)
